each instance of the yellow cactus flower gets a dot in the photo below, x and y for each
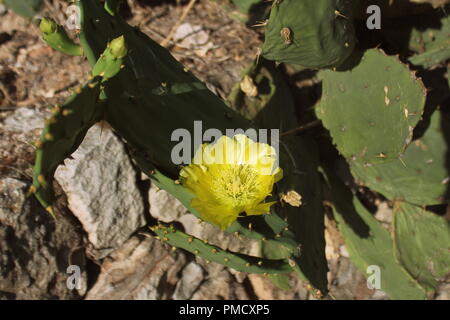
(231, 176)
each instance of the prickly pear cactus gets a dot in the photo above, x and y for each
(313, 34)
(138, 85)
(153, 86)
(371, 110)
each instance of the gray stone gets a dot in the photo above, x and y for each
(142, 269)
(2, 9)
(264, 289)
(24, 120)
(384, 212)
(443, 291)
(343, 251)
(164, 206)
(378, 295)
(221, 286)
(100, 184)
(191, 278)
(36, 250)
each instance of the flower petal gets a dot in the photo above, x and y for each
(219, 215)
(278, 175)
(261, 208)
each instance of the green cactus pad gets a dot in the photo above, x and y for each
(65, 130)
(371, 247)
(111, 60)
(421, 176)
(299, 160)
(281, 281)
(62, 135)
(422, 245)
(237, 261)
(371, 111)
(274, 250)
(312, 34)
(56, 37)
(431, 44)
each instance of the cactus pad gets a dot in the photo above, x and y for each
(56, 37)
(237, 261)
(421, 176)
(370, 248)
(62, 135)
(432, 45)
(65, 130)
(371, 111)
(422, 245)
(313, 34)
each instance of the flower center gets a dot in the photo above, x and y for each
(236, 183)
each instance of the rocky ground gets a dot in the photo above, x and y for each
(104, 203)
